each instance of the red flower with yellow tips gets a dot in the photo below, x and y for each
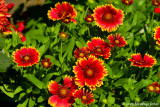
(89, 72)
(157, 35)
(127, 2)
(108, 17)
(156, 2)
(46, 63)
(63, 35)
(147, 61)
(157, 87)
(62, 95)
(81, 52)
(85, 96)
(26, 56)
(64, 12)
(117, 41)
(151, 88)
(3, 15)
(99, 47)
(89, 18)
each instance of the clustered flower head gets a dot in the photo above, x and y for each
(3, 15)
(127, 2)
(64, 12)
(89, 71)
(62, 95)
(63, 35)
(117, 41)
(99, 47)
(154, 87)
(157, 35)
(147, 61)
(108, 18)
(26, 56)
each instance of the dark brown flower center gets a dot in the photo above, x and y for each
(81, 55)
(84, 97)
(98, 49)
(63, 92)
(88, 73)
(108, 17)
(116, 41)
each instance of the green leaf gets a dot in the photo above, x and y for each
(2, 43)
(10, 94)
(31, 102)
(40, 99)
(44, 48)
(24, 104)
(79, 44)
(47, 78)
(34, 80)
(5, 62)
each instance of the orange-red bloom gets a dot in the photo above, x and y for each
(20, 26)
(63, 35)
(157, 34)
(62, 95)
(89, 18)
(46, 63)
(10, 6)
(99, 47)
(64, 12)
(156, 2)
(89, 72)
(157, 10)
(108, 17)
(117, 41)
(154, 87)
(23, 38)
(85, 96)
(81, 52)
(3, 15)
(26, 57)
(127, 2)
(147, 61)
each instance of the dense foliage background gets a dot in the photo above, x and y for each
(27, 86)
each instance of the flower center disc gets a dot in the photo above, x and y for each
(126, 1)
(108, 16)
(81, 55)
(84, 97)
(99, 50)
(117, 41)
(88, 73)
(63, 92)
(26, 58)
(46, 64)
(151, 88)
(157, 88)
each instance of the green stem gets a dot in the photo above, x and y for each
(61, 57)
(89, 31)
(86, 12)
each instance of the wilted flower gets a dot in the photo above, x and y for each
(147, 61)
(46, 63)
(26, 57)
(127, 2)
(64, 12)
(85, 96)
(117, 41)
(108, 17)
(89, 72)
